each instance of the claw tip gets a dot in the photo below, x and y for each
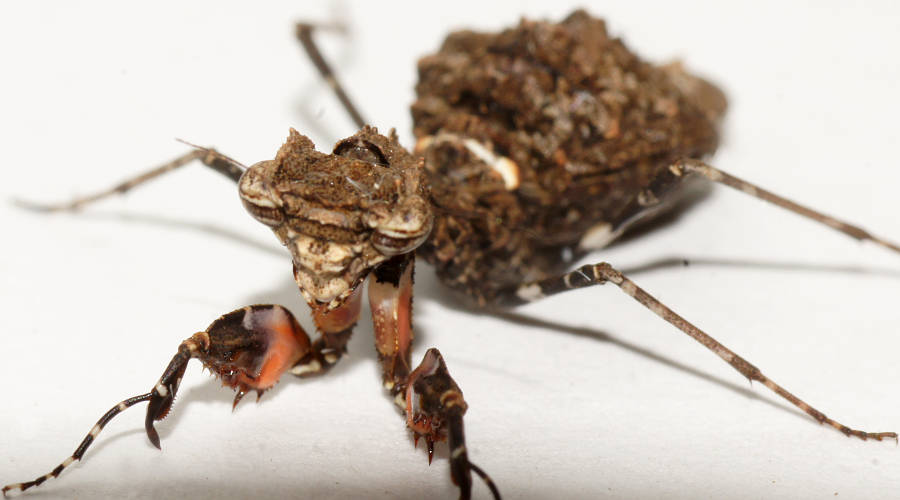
(153, 436)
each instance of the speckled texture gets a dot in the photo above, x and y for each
(587, 122)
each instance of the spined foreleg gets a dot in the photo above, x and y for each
(433, 403)
(434, 411)
(248, 349)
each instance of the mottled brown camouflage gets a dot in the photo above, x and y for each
(588, 123)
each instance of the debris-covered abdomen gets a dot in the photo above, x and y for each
(536, 134)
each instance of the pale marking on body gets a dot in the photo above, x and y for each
(507, 168)
(749, 189)
(598, 236)
(252, 190)
(400, 400)
(265, 318)
(162, 390)
(326, 292)
(676, 170)
(95, 430)
(416, 227)
(263, 202)
(458, 451)
(334, 259)
(341, 298)
(311, 367)
(331, 358)
(423, 143)
(324, 216)
(67, 462)
(122, 406)
(530, 293)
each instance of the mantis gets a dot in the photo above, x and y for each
(794, 244)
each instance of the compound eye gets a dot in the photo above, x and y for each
(258, 197)
(395, 244)
(361, 150)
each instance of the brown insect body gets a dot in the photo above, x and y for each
(587, 125)
(532, 138)
(340, 215)
(535, 127)
(539, 143)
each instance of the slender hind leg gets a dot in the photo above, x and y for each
(653, 196)
(599, 274)
(689, 166)
(304, 32)
(209, 157)
(656, 196)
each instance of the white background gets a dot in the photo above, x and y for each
(608, 401)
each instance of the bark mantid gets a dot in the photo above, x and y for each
(534, 153)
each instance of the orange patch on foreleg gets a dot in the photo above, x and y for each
(390, 297)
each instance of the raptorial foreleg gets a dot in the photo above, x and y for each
(432, 401)
(248, 349)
